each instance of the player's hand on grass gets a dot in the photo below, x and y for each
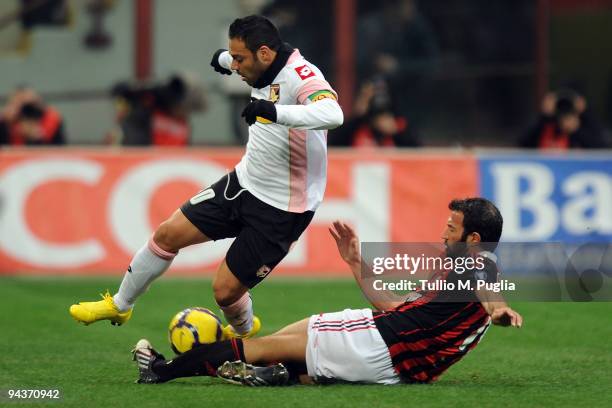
(347, 242)
(259, 108)
(215, 63)
(505, 316)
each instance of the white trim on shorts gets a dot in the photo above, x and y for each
(347, 346)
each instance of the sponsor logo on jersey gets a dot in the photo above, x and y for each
(263, 271)
(304, 71)
(274, 93)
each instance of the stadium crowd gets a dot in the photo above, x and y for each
(425, 76)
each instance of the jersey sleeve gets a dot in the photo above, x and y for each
(323, 115)
(308, 86)
(488, 272)
(311, 86)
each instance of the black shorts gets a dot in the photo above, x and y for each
(263, 233)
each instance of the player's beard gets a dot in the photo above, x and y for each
(258, 70)
(457, 249)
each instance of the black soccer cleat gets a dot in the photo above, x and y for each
(238, 372)
(145, 356)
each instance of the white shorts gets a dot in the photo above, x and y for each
(347, 346)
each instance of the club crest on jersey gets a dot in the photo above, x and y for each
(304, 71)
(263, 271)
(274, 93)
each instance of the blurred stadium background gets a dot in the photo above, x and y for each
(112, 117)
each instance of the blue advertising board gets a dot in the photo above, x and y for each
(549, 198)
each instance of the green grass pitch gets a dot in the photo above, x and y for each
(561, 358)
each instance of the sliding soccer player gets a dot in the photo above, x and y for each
(410, 341)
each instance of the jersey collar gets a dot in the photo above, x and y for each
(282, 56)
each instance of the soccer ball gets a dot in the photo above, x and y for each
(194, 326)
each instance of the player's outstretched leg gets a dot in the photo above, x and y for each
(150, 262)
(287, 345)
(202, 360)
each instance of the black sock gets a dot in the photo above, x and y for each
(201, 360)
(295, 370)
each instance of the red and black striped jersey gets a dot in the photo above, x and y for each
(427, 335)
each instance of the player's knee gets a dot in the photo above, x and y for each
(166, 237)
(224, 294)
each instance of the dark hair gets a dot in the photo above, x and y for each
(482, 216)
(255, 31)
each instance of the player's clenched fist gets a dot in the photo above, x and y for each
(216, 65)
(259, 108)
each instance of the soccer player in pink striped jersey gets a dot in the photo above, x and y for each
(267, 202)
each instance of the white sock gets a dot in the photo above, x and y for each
(149, 263)
(240, 314)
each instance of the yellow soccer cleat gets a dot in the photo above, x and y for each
(105, 309)
(229, 333)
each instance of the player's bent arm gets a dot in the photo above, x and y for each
(323, 114)
(495, 305)
(347, 242)
(369, 292)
